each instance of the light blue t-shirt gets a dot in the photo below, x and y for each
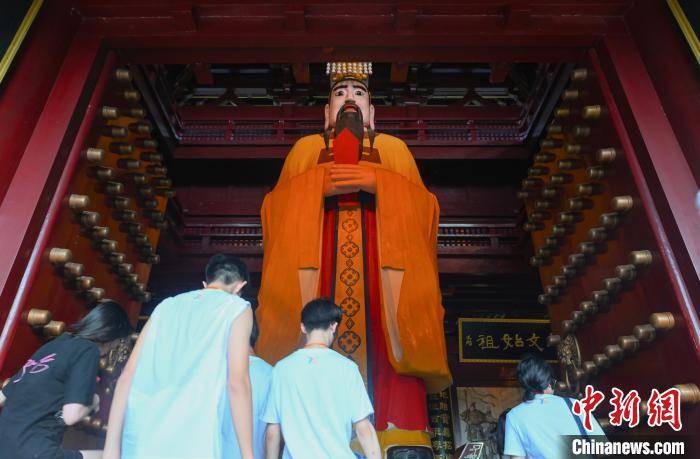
(260, 380)
(177, 400)
(316, 396)
(536, 428)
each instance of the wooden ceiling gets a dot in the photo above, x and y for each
(468, 85)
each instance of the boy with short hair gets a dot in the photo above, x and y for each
(318, 396)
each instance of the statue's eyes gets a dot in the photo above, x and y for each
(340, 92)
(359, 92)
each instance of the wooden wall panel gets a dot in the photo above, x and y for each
(99, 167)
(582, 131)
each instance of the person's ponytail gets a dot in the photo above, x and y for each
(534, 375)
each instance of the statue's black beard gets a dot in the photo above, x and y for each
(350, 117)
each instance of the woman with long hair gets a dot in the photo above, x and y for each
(56, 387)
(539, 427)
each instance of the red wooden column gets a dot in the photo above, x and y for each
(659, 154)
(32, 75)
(32, 198)
(673, 69)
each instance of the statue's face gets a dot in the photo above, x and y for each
(354, 91)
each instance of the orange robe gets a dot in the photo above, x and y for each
(407, 222)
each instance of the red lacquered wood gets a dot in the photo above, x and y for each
(32, 174)
(671, 170)
(27, 86)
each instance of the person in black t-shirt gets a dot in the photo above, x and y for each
(56, 388)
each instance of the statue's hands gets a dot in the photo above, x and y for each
(349, 178)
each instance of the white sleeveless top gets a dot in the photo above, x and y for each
(178, 399)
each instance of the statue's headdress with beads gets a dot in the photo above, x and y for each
(340, 71)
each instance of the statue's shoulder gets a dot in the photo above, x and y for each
(389, 142)
(303, 155)
(388, 139)
(309, 141)
(396, 156)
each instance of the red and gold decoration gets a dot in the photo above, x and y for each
(104, 237)
(597, 249)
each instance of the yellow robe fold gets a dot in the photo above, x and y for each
(407, 222)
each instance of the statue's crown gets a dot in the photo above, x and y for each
(339, 71)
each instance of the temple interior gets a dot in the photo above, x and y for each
(471, 127)
(559, 142)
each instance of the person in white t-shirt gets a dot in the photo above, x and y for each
(318, 396)
(187, 372)
(543, 424)
(260, 381)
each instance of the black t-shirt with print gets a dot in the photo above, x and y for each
(61, 371)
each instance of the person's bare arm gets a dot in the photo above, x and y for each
(74, 412)
(113, 442)
(367, 437)
(238, 386)
(273, 440)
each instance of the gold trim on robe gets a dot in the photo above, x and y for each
(350, 288)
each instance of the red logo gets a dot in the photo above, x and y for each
(665, 408)
(588, 404)
(625, 407)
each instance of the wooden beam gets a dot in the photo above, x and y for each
(294, 17)
(302, 73)
(517, 16)
(183, 17)
(499, 72)
(201, 115)
(202, 73)
(405, 18)
(399, 73)
(280, 152)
